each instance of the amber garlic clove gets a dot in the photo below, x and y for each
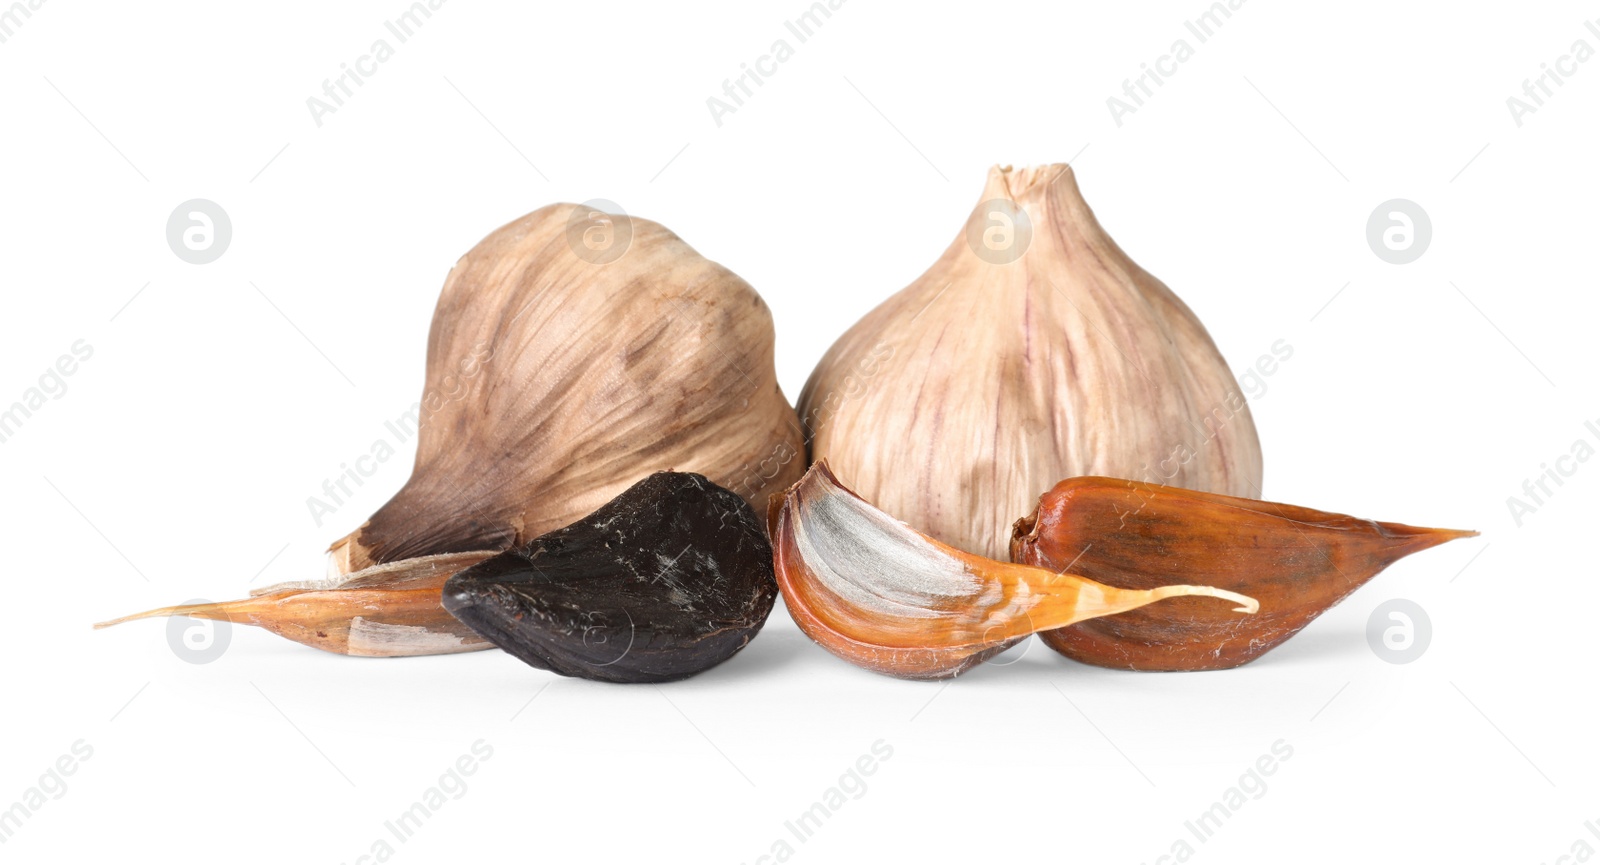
(1297, 561)
(877, 593)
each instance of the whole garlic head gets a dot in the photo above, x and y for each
(1033, 350)
(572, 354)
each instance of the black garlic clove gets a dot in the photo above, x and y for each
(668, 579)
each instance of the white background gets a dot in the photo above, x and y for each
(178, 462)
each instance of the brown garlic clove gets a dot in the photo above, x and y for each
(1296, 561)
(383, 611)
(1034, 349)
(877, 593)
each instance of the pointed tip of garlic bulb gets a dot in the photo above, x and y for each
(1017, 182)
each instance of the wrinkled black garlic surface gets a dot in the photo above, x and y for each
(668, 579)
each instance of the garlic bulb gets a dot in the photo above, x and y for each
(572, 354)
(1033, 350)
(558, 377)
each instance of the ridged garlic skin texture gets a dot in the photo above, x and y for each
(960, 400)
(555, 382)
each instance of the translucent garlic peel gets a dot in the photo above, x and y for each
(389, 610)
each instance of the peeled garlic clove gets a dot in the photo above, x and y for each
(1297, 561)
(875, 592)
(555, 382)
(1051, 354)
(667, 580)
(383, 611)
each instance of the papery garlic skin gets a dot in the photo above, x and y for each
(962, 398)
(384, 611)
(557, 378)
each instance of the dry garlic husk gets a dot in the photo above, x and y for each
(382, 611)
(1034, 349)
(561, 372)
